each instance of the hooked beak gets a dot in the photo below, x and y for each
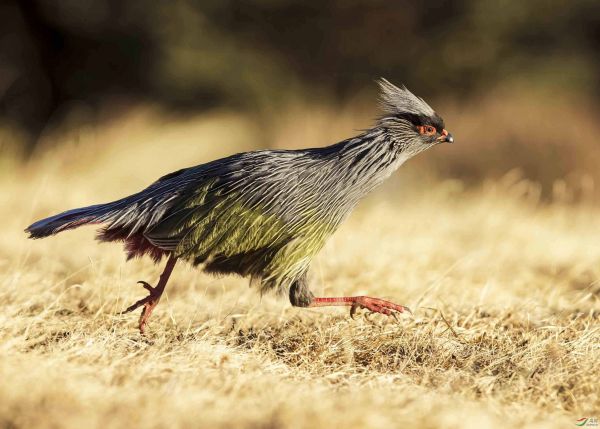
(446, 137)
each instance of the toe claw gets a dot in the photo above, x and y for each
(143, 301)
(367, 317)
(146, 286)
(135, 305)
(376, 305)
(353, 309)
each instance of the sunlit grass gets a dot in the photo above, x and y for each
(505, 292)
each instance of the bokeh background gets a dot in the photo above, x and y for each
(493, 241)
(518, 82)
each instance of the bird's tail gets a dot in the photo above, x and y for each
(125, 217)
(70, 219)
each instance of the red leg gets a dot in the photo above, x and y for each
(154, 294)
(376, 305)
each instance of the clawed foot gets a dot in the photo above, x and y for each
(148, 302)
(377, 305)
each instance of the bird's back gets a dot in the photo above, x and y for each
(262, 214)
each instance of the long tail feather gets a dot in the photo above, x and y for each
(124, 217)
(68, 220)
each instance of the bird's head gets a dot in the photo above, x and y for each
(409, 120)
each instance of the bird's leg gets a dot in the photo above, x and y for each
(154, 294)
(375, 305)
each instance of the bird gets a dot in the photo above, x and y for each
(262, 214)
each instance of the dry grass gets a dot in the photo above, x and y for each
(505, 293)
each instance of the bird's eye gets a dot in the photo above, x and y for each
(427, 130)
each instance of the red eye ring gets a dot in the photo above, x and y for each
(427, 130)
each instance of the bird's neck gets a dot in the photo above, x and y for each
(356, 166)
(370, 158)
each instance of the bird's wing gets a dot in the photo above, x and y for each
(238, 204)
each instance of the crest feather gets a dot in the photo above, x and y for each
(396, 100)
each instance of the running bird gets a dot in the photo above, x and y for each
(263, 214)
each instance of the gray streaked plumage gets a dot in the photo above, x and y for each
(263, 214)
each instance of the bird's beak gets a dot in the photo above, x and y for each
(446, 137)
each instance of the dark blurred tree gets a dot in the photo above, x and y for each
(254, 53)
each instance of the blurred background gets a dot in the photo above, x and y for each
(499, 231)
(518, 83)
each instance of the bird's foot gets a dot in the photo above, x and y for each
(377, 305)
(148, 303)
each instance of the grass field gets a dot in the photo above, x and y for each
(505, 292)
